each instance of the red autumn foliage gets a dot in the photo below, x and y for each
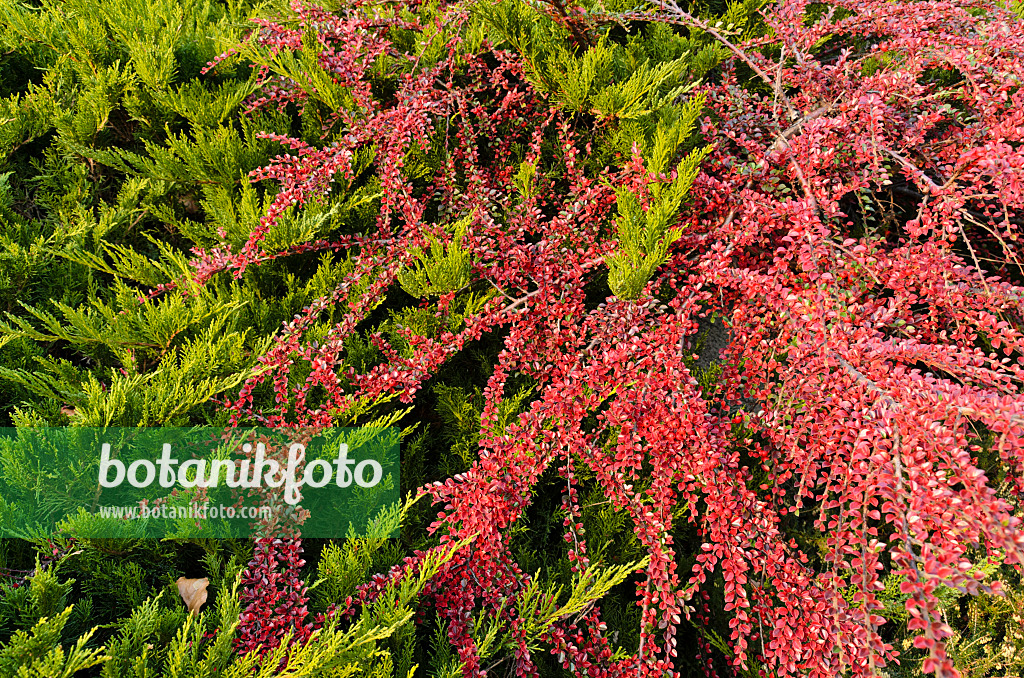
(866, 362)
(274, 597)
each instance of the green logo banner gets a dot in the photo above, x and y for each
(196, 482)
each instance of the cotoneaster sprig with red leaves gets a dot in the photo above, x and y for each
(870, 354)
(868, 357)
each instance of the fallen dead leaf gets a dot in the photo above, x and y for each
(193, 592)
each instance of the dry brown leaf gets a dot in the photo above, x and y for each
(193, 592)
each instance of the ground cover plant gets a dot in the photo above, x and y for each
(702, 323)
